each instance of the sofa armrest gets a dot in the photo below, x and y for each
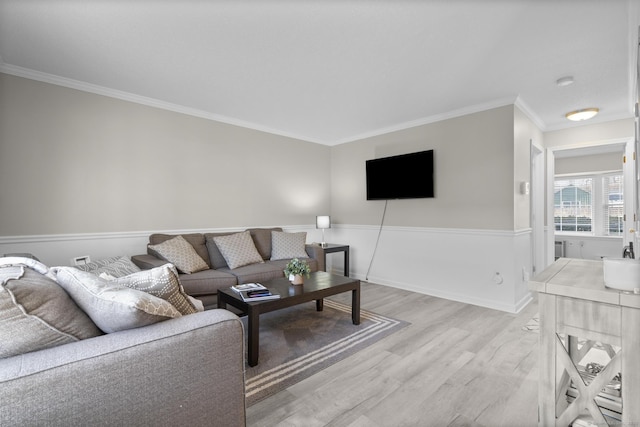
(188, 370)
(317, 252)
(147, 262)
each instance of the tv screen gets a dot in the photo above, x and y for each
(407, 176)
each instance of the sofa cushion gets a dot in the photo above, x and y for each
(36, 313)
(216, 260)
(180, 253)
(262, 239)
(208, 301)
(195, 239)
(147, 262)
(207, 282)
(238, 249)
(111, 306)
(288, 245)
(115, 266)
(258, 272)
(265, 271)
(162, 282)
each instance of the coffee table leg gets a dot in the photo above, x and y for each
(253, 336)
(355, 306)
(346, 263)
(319, 304)
(221, 304)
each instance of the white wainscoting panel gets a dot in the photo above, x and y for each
(59, 249)
(592, 247)
(489, 268)
(481, 267)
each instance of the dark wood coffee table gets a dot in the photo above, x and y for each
(316, 287)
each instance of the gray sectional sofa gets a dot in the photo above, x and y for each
(204, 284)
(58, 369)
(184, 371)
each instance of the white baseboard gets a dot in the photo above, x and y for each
(434, 292)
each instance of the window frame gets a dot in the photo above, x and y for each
(600, 205)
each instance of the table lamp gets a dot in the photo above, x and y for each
(323, 221)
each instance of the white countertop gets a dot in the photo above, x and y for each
(583, 279)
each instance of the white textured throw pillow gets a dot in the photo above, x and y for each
(288, 245)
(27, 262)
(180, 253)
(238, 249)
(117, 266)
(162, 282)
(111, 306)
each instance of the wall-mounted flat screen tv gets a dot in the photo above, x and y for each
(407, 176)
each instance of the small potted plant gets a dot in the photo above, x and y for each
(296, 269)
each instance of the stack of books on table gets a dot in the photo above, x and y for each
(254, 292)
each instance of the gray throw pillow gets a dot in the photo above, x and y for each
(238, 249)
(180, 253)
(111, 306)
(36, 313)
(288, 245)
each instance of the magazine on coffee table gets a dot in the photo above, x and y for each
(248, 287)
(258, 295)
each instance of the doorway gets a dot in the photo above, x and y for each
(625, 150)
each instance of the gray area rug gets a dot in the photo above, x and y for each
(299, 341)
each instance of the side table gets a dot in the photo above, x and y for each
(334, 247)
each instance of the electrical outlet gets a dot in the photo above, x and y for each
(81, 260)
(497, 278)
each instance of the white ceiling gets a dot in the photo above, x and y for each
(333, 71)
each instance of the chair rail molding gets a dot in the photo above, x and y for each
(58, 249)
(489, 268)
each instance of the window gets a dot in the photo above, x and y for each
(613, 213)
(572, 204)
(589, 204)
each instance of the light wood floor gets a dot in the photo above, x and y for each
(455, 365)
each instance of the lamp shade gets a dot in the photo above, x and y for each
(323, 221)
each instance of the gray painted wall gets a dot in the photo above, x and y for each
(76, 162)
(474, 174)
(590, 134)
(525, 132)
(604, 162)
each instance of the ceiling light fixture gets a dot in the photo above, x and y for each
(564, 81)
(584, 114)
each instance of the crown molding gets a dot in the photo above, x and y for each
(594, 121)
(524, 107)
(143, 100)
(432, 119)
(163, 105)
